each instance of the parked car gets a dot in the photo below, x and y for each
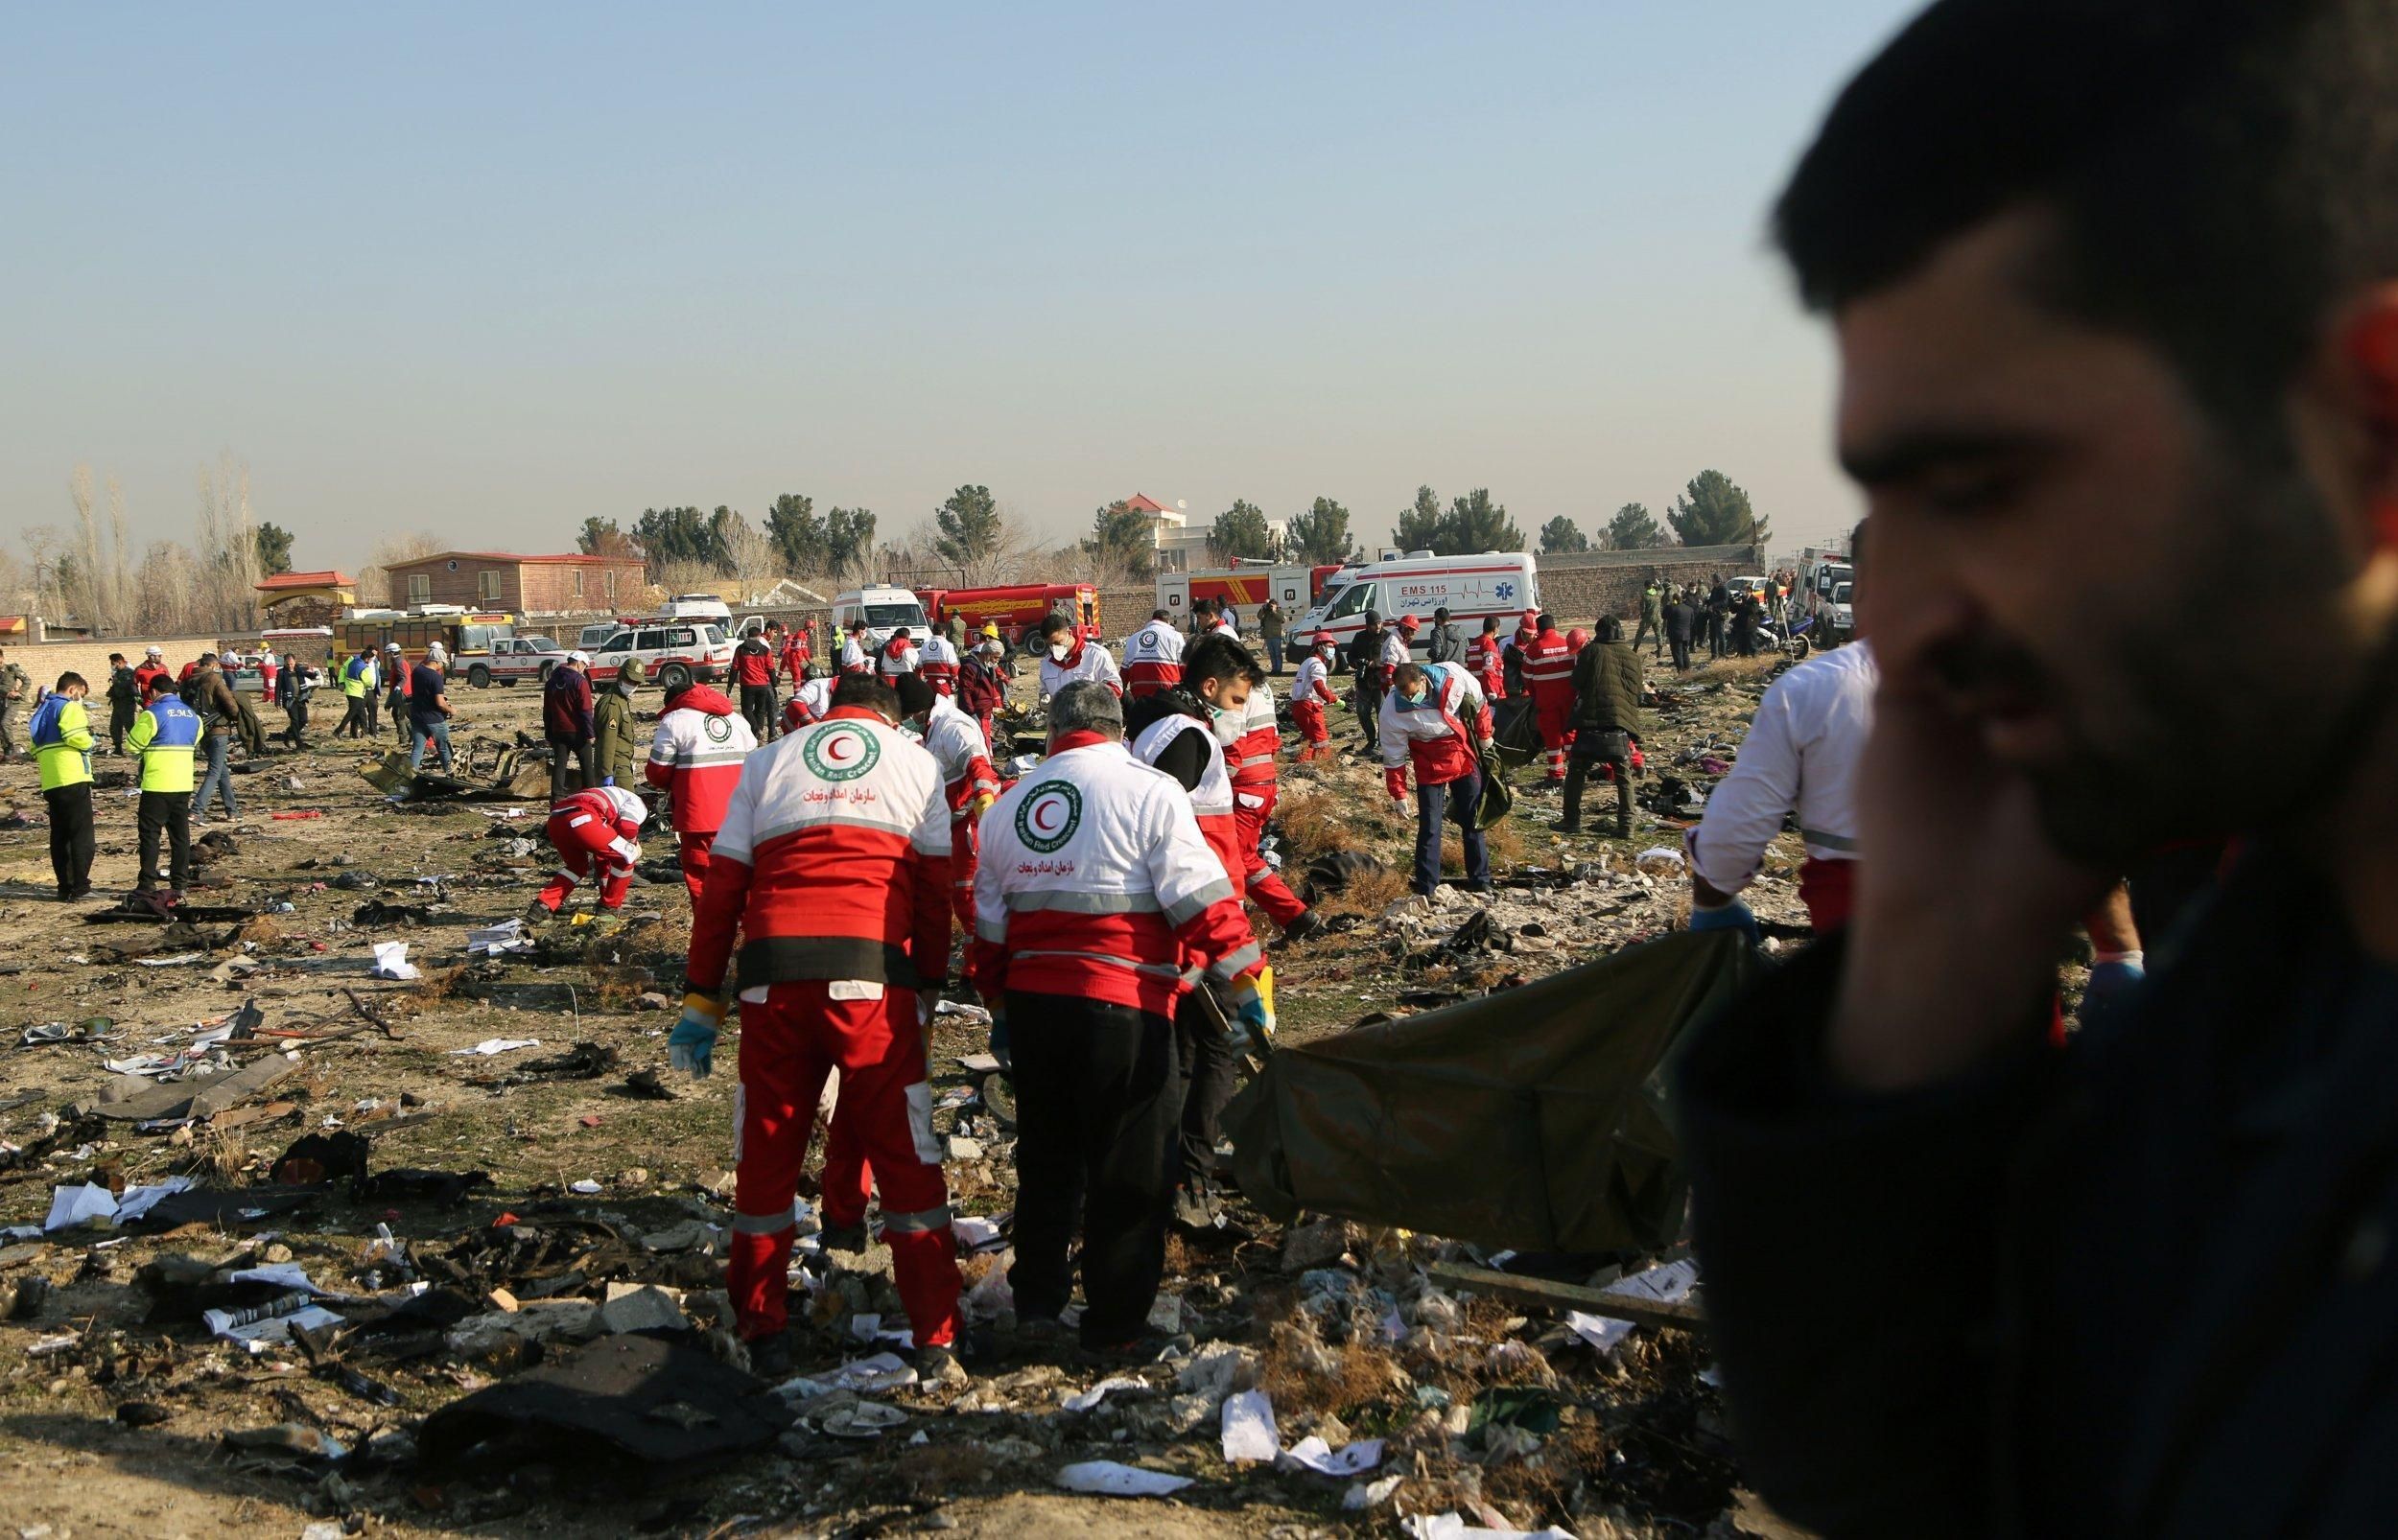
(675, 652)
(516, 657)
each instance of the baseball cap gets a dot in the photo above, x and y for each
(578, 656)
(154, 652)
(390, 646)
(634, 670)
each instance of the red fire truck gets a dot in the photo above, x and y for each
(1017, 609)
(1245, 587)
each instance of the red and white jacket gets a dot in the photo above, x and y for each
(602, 819)
(1394, 652)
(1483, 655)
(855, 658)
(940, 663)
(1250, 740)
(955, 742)
(1548, 664)
(809, 702)
(834, 863)
(1438, 735)
(1314, 683)
(795, 656)
(697, 756)
(1212, 799)
(1084, 659)
(896, 658)
(1152, 659)
(1096, 883)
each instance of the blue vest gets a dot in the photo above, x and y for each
(179, 725)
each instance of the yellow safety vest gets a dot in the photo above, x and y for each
(68, 762)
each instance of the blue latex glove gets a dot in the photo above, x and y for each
(2112, 986)
(607, 780)
(692, 1043)
(998, 1038)
(1734, 916)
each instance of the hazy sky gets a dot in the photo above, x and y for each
(486, 270)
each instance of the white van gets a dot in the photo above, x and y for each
(698, 607)
(1502, 583)
(883, 608)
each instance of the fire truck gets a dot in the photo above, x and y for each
(1017, 609)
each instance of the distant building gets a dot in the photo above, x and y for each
(1181, 546)
(522, 585)
(308, 593)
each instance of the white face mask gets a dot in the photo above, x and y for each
(1059, 650)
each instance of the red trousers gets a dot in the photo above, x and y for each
(847, 1183)
(583, 851)
(1829, 891)
(1266, 888)
(1554, 711)
(787, 1045)
(965, 846)
(693, 850)
(1308, 715)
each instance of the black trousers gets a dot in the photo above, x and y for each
(119, 722)
(295, 729)
(71, 837)
(168, 813)
(1206, 1063)
(1099, 1093)
(1370, 710)
(758, 709)
(571, 767)
(1681, 646)
(353, 718)
(1578, 766)
(1715, 635)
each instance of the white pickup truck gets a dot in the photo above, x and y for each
(515, 657)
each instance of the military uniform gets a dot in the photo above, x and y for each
(15, 690)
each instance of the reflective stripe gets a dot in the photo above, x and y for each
(566, 876)
(1154, 969)
(930, 1218)
(993, 932)
(1830, 842)
(1083, 903)
(1197, 904)
(1257, 758)
(578, 821)
(1232, 965)
(697, 758)
(903, 829)
(763, 1223)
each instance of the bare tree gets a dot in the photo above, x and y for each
(168, 586)
(227, 544)
(86, 589)
(43, 543)
(120, 557)
(374, 579)
(756, 564)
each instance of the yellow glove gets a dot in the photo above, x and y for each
(1253, 1000)
(978, 805)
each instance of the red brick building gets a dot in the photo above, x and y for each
(522, 585)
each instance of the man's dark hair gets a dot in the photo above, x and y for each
(914, 695)
(207, 658)
(1548, 622)
(1489, 626)
(1220, 657)
(116, 657)
(1374, 617)
(1440, 611)
(162, 684)
(1053, 622)
(1160, 614)
(1609, 629)
(864, 690)
(68, 681)
(1403, 677)
(2219, 170)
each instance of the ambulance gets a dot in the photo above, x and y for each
(1501, 583)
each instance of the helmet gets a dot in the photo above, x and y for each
(1577, 639)
(1408, 623)
(634, 671)
(991, 629)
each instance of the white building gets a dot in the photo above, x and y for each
(1182, 545)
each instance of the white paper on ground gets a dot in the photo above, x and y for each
(496, 1045)
(391, 961)
(974, 1233)
(283, 1275)
(1451, 1527)
(508, 936)
(1669, 1285)
(1602, 1332)
(72, 1205)
(883, 1371)
(177, 960)
(1085, 1400)
(1370, 1494)
(1249, 1428)
(1313, 1452)
(1108, 1479)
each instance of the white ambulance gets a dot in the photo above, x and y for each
(1501, 583)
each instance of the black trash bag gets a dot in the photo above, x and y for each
(1328, 875)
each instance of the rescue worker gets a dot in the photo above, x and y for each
(1070, 658)
(1225, 674)
(1548, 671)
(1607, 724)
(1311, 696)
(1399, 645)
(1096, 889)
(1153, 656)
(1223, 621)
(14, 687)
(1434, 717)
(854, 657)
(162, 739)
(899, 656)
(358, 677)
(63, 748)
(697, 756)
(967, 780)
(566, 723)
(597, 834)
(834, 866)
(753, 672)
(612, 724)
(125, 698)
(1365, 657)
(1172, 732)
(207, 693)
(939, 662)
(1512, 653)
(1486, 660)
(808, 703)
(981, 685)
(269, 672)
(797, 654)
(1800, 757)
(153, 666)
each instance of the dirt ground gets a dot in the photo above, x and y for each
(1636, 1446)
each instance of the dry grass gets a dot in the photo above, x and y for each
(1369, 893)
(1302, 1373)
(1314, 821)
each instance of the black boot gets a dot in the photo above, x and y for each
(1576, 770)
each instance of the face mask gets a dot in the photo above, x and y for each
(1059, 650)
(1415, 698)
